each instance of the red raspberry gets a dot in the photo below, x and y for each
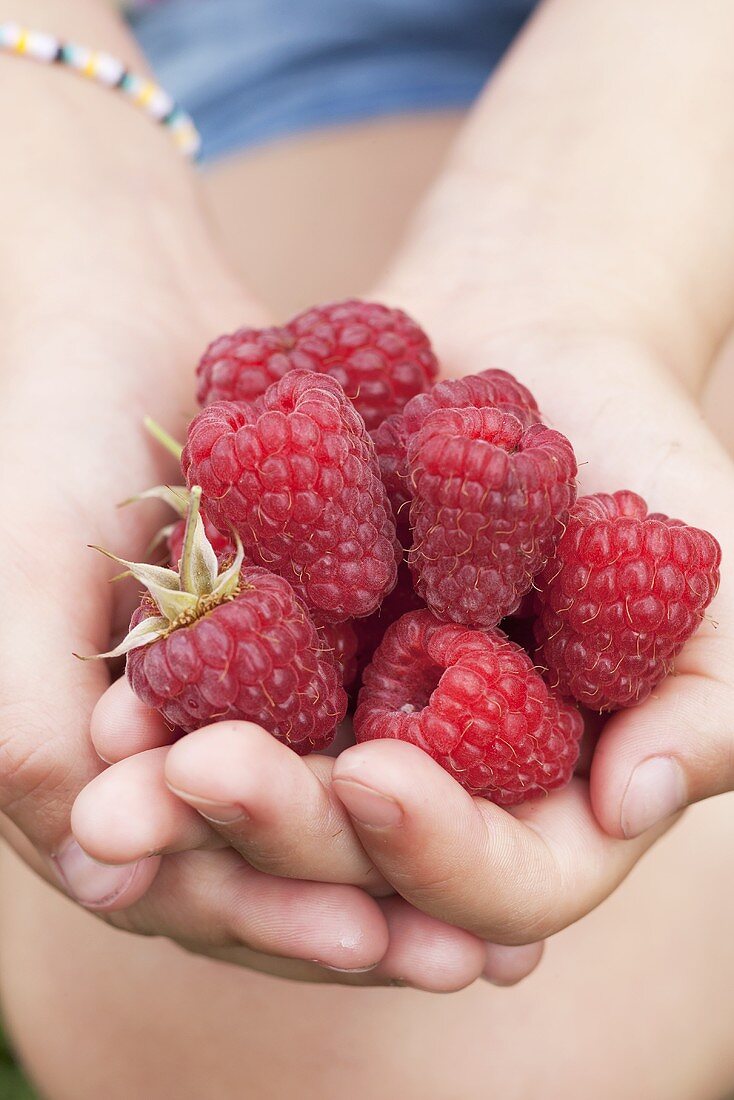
(391, 447)
(473, 701)
(625, 592)
(240, 366)
(256, 657)
(222, 544)
(490, 502)
(340, 641)
(217, 640)
(489, 389)
(295, 474)
(380, 356)
(371, 631)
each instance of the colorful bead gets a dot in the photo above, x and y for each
(109, 71)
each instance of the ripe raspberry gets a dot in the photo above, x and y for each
(391, 447)
(213, 643)
(472, 700)
(489, 389)
(340, 641)
(379, 355)
(256, 658)
(371, 631)
(295, 474)
(490, 502)
(240, 366)
(624, 593)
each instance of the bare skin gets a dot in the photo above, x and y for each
(650, 981)
(631, 982)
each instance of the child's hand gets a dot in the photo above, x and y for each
(233, 785)
(519, 876)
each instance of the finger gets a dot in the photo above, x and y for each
(128, 813)
(214, 900)
(677, 748)
(510, 965)
(422, 953)
(425, 953)
(96, 886)
(122, 725)
(276, 808)
(511, 878)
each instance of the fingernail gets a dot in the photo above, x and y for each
(346, 969)
(367, 805)
(91, 883)
(656, 790)
(219, 813)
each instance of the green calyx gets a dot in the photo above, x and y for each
(181, 597)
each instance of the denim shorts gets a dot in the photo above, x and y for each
(250, 71)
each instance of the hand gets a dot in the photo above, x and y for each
(517, 877)
(103, 313)
(232, 784)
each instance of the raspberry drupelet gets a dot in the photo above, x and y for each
(474, 702)
(625, 591)
(296, 476)
(490, 500)
(218, 641)
(379, 355)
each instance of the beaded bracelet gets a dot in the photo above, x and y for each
(106, 70)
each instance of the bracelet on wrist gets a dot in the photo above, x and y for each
(109, 71)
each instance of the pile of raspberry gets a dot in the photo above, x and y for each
(377, 537)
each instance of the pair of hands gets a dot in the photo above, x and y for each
(226, 842)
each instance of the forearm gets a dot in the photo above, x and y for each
(106, 224)
(591, 190)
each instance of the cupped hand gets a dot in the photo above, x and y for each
(89, 348)
(233, 786)
(517, 877)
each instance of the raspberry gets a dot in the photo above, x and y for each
(625, 592)
(380, 356)
(473, 701)
(371, 631)
(240, 366)
(490, 502)
(212, 642)
(489, 389)
(295, 474)
(391, 447)
(256, 658)
(340, 641)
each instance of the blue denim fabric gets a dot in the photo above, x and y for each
(253, 70)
